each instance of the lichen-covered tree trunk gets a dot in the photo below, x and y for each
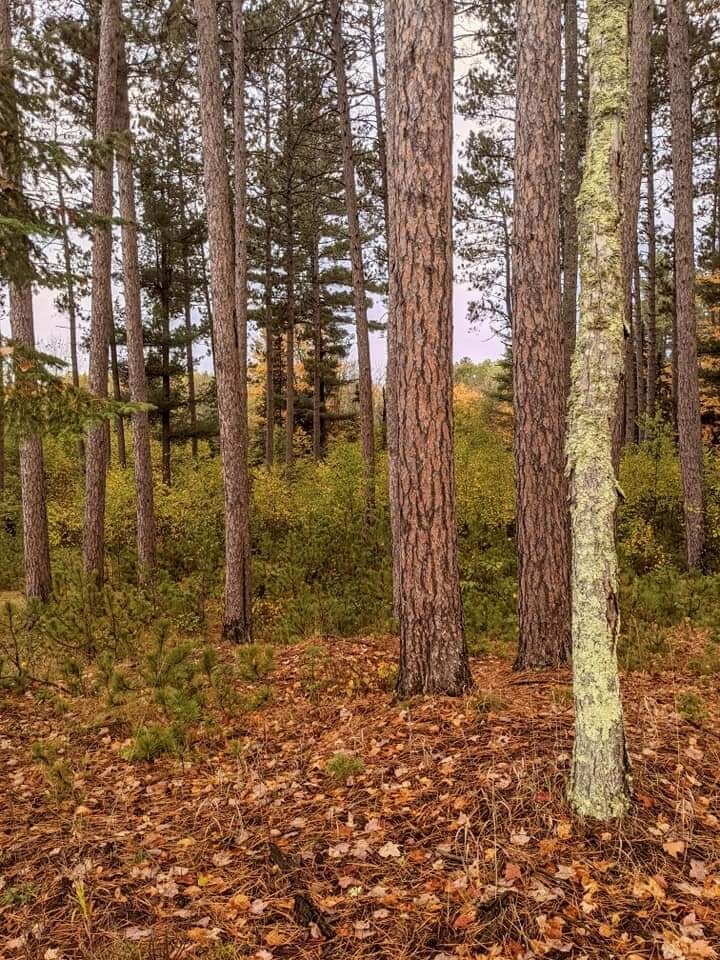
(367, 438)
(97, 447)
(142, 455)
(433, 654)
(36, 544)
(600, 785)
(236, 615)
(688, 391)
(539, 381)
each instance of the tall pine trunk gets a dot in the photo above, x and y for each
(642, 18)
(317, 334)
(538, 346)
(688, 391)
(433, 654)
(241, 296)
(236, 614)
(573, 144)
(97, 447)
(268, 282)
(187, 305)
(142, 455)
(69, 280)
(367, 437)
(377, 103)
(391, 413)
(652, 344)
(36, 544)
(600, 785)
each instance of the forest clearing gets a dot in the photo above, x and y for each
(359, 479)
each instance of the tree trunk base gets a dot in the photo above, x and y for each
(237, 632)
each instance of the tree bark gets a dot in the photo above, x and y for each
(36, 544)
(433, 654)
(642, 18)
(379, 124)
(236, 614)
(268, 285)
(638, 340)
(317, 404)
(142, 455)
(289, 286)
(538, 346)
(629, 392)
(600, 784)
(187, 306)
(688, 395)
(573, 145)
(652, 344)
(69, 281)
(97, 447)
(117, 397)
(367, 432)
(391, 413)
(33, 488)
(241, 298)
(165, 284)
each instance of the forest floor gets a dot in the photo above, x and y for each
(336, 822)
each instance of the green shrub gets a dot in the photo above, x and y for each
(155, 740)
(342, 766)
(19, 895)
(57, 769)
(255, 700)
(691, 707)
(255, 661)
(488, 702)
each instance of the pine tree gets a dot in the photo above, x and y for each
(142, 458)
(367, 441)
(236, 615)
(18, 268)
(688, 391)
(433, 654)
(538, 350)
(101, 312)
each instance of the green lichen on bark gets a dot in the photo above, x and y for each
(600, 785)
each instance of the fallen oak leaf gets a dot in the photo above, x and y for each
(389, 850)
(674, 847)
